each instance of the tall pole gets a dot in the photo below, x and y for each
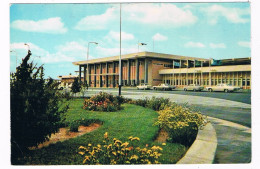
(120, 69)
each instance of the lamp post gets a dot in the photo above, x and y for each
(120, 66)
(27, 45)
(87, 62)
(140, 44)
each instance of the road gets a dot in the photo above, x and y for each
(243, 97)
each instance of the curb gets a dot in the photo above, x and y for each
(203, 150)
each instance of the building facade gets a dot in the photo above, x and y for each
(155, 68)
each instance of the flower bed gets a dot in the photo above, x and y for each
(103, 102)
(116, 152)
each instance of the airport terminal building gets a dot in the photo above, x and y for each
(154, 68)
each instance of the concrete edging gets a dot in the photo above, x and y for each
(203, 150)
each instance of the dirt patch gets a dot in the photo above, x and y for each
(162, 136)
(65, 134)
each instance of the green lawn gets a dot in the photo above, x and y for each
(132, 120)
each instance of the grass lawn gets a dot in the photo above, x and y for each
(132, 120)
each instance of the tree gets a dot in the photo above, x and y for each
(75, 88)
(35, 107)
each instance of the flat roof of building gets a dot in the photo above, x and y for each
(138, 55)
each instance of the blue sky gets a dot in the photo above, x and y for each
(58, 34)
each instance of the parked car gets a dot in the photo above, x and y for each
(144, 86)
(193, 87)
(223, 88)
(164, 86)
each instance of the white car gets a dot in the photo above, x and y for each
(164, 86)
(193, 87)
(144, 86)
(223, 88)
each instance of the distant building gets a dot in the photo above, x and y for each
(154, 68)
(67, 80)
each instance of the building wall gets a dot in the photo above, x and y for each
(239, 78)
(163, 71)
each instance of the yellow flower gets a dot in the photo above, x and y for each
(164, 144)
(134, 157)
(82, 147)
(89, 145)
(135, 138)
(125, 144)
(114, 153)
(81, 153)
(106, 135)
(130, 138)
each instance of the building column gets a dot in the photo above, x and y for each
(201, 74)
(237, 80)
(106, 74)
(209, 73)
(173, 72)
(79, 73)
(194, 62)
(95, 75)
(137, 72)
(89, 76)
(128, 72)
(180, 79)
(245, 80)
(114, 71)
(84, 76)
(145, 70)
(100, 76)
(187, 75)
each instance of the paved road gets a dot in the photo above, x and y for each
(243, 97)
(230, 114)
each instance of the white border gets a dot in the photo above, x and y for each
(5, 93)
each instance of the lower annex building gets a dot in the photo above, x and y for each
(155, 68)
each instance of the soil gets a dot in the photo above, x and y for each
(65, 134)
(162, 136)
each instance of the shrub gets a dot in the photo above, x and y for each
(181, 123)
(158, 103)
(153, 103)
(35, 107)
(103, 102)
(74, 124)
(116, 152)
(76, 86)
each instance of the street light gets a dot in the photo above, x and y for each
(140, 44)
(27, 45)
(87, 62)
(120, 66)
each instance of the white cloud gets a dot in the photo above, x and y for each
(159, 14)
(51, 25)
(112, 35)
(162, 15)
(244, 44)
(68, 52)
(98, 22)
(233, 15)
(218, 45)
(159, 37)
(194, 45)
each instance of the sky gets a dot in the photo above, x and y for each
(58, 34)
